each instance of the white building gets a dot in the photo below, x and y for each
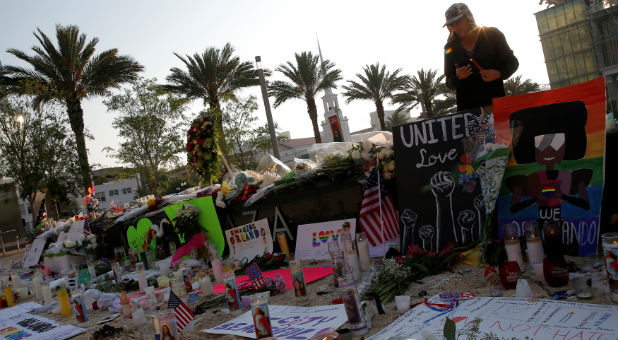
(120, 191)
(375, 121)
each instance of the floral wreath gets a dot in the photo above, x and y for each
(201, 147)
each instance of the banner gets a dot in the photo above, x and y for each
(288, 322)
(249, 240)
(34, 327)
(555, 172)
(511, 318)
(440, 198)
(335, 128)
(312, 239)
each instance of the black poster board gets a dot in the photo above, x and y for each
(440, 198)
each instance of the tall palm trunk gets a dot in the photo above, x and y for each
(313, 115)
(76, 119)
(218, 117)
(428, 108)
(380, 112)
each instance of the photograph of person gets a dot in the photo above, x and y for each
(262, 324)
(168, 331)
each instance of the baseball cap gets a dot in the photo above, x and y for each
(455, 12)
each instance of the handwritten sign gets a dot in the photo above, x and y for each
(312, 239)
(434, 170)
(513, 318)
(250, 240)
(288, 322)
(33, 252)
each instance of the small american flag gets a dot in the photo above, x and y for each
(369, 217)
(183, 314)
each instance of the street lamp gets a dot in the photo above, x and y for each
(269, 117)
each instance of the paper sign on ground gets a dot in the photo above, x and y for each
(288, 322)
(312, 239)
(7, 313)
(32, 255)
(512, 318)
(34, 327)
(250, 240)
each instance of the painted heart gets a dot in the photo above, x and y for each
(137, 236)
(324, 235)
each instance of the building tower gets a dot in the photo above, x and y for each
(335, 126)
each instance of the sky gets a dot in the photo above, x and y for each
(400, 34)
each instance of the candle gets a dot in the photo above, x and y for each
(80, 308)
(206, 285)
(22, 292)
(139, 318)
(124, 302)
(261, 316)
(92, 272)
(217, 269)
(283, 244)
(16, 279)
(63, 300)
(141, 276)
(117, 272)
(511, 242)
(47, 294)
(298, 280)
(534, 242)
(231, 291)
(157, 327)
(164, 268)
(352, 306)
(152, 299)
(8, 295)
(36, 285)
(163, 282)
(363, 251)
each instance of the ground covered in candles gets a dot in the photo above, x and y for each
(463, 278)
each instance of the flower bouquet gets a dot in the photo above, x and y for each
(201, 147)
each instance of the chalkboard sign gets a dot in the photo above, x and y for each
(440, 198)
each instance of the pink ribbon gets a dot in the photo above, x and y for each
(196, 241)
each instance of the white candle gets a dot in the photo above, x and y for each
(535, 251)
(47, 294)
(363, 252)
(36, 285)
(206, 285)
(217, 269)
(92, 272)
(163, 282)
(139, 318)
(16, 280)
(513, 253)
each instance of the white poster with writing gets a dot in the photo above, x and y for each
(288, 322)
(312, 239)
(512, 318)
(34, 327)
(250, 240)
(33, 252)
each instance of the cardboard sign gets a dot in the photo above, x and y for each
(207, 218)
(312, 239)
(555, 173)
(435, 179)
(511, 318)
(288, 322)
(33, 252)
(250, 240)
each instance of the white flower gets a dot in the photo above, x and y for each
(390, 166)
(382, 154)
(365, 155)
(356, 154)
(79, 243)
(367, 146)
(68, 243)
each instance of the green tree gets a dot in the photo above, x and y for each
(397, 118)
(69, 73)
(37, 150)
(376, 85)
(515, 85)
(425, 87)
(151, 125)
(306, 78)
(213, 76)
(245, 139)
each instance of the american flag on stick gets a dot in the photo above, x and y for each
(378, 217)
(183, 314)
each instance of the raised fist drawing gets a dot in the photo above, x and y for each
(442, 184)
(465, 219)
(408, 220)
(479, 205)
(426, 233)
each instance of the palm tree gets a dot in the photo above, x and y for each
(69, 73)
(425, 87)
(307, 77)
(376, 85)
(514, 85)
(213, 76)
(397, 118)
